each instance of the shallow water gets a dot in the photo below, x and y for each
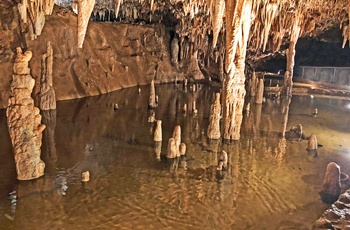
(271, 182)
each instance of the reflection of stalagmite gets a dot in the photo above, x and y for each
(85, 8)
(47, 97)
(158, 149)
(214, 122)
(260, 92)
(331, 185)
(24, 121)
(49, 144)
(158, 131)
(152, 97)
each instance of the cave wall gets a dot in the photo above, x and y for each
(114, 56)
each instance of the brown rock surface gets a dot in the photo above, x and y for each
(24, 121)
(214, 120)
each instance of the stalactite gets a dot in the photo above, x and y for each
(295, 31)
(85, 8)
(218, 10)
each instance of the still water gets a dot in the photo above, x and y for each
(271, 182)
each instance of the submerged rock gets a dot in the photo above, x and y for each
(331, 186)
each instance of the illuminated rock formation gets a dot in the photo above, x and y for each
(177, 138)
(24, 121)
(85, 8)
(47, 96)
(172, 148)
(214, 120)
(33, 13)
(152, 96)
(158, 132)
(331, 186)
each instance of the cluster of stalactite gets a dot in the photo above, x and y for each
(33, 13)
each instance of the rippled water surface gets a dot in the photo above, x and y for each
(271, 182)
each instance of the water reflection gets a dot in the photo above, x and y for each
(131, 188)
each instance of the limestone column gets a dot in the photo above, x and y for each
(214, 120)
(233, 85)
(47, 96)
(24, 121)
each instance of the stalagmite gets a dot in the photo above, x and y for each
(312, 145)
(182, 149)
(233, 85)
(214, 120)
(24, 121)
(158, 132)
(152, 98)
(85, 8)
(331, 186)
(177, 138)
(158, 149)
(172, 148)
(260, 92)
(85, 176)
(47, 96)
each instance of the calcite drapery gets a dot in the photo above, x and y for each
(47, 96)
(24, 121)
(214, 120)
(85, 8)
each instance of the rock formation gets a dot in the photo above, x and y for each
(33, 13)
(331, 186)
(214, 120)
(85, 8)
(336, 216)
(312, 145)
(24, 121)
(158, 132)
(172, 148)
(47, 96)
(182, 149)
(152, 96)
(177, 138)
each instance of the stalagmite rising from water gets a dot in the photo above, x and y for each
(24, 121)
(85, 8)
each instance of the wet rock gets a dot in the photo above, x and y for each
(158, 132)
(260, 93)
(85, 176)
(223, 160)
(24, 121)
(158, 149)
(312, 145)
(214, 120)
(331, 186)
